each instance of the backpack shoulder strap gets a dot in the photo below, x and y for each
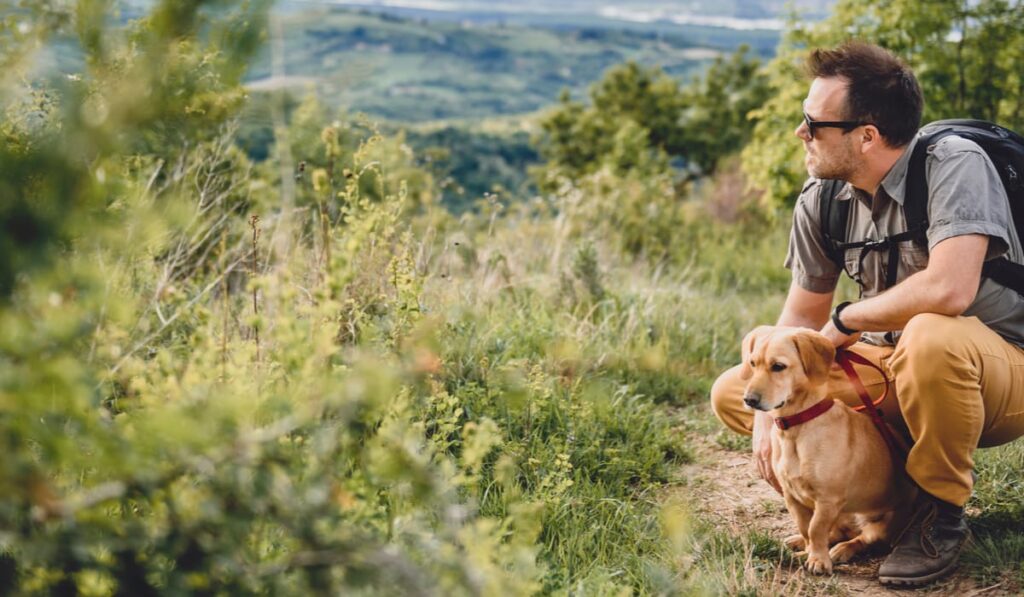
(834, 215)
(915, 203)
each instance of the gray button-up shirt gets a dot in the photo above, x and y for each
(965, 196)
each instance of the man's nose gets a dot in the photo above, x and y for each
(752, 399)
(802, 131)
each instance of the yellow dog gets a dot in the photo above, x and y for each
(836, 473)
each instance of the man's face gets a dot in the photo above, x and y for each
(831, 153)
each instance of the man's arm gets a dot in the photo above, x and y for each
(805, 309)
(947, 286)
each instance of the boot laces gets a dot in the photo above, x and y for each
(926, 526)
(923, 519)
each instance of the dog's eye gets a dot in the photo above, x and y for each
(776, 367)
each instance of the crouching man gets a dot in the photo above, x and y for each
(950, 339)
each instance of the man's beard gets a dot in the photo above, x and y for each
(841, 165)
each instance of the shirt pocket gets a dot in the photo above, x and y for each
(852, 265)
(913, 258)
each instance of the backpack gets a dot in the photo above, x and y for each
(1006, 150)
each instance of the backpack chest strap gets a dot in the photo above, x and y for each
(890, 244)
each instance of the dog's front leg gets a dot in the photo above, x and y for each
(802, 515)
(818, 559)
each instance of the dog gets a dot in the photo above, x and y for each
(837, 476)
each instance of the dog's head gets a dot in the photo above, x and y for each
(782, 363)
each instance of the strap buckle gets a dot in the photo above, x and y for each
(876, 245)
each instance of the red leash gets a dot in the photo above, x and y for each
(846, 359)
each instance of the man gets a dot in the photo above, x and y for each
(951, 341)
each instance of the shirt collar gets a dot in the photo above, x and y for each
(894, 183)
(895, 180)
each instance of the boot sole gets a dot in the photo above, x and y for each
(919, 581)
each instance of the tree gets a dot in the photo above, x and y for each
(698, 123)
(717, 119)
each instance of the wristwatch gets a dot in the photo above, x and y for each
(838, 322)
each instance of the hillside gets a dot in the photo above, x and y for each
(416, 70)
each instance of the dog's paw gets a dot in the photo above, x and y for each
(795, 542)
(818, 564)
(844, 552)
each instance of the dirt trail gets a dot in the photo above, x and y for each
(724, 488)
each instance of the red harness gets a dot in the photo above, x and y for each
(846, 359)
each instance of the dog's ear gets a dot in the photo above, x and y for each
(748, 348)
(816, 354)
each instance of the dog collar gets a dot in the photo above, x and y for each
(804, 415)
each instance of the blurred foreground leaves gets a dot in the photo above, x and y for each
(189, 406)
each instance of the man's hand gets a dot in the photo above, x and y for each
(837, 338)
(763, 449)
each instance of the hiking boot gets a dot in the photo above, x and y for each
(930, 546)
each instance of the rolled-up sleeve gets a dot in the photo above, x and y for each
(966, 196)
(807, 256)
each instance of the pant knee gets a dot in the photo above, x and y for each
(928, 339)
(727, 401)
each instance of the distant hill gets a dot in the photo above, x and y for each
(416, 70)
(445, 69)
(746, 9)
(446, 76)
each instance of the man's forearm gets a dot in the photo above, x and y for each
(892, 309)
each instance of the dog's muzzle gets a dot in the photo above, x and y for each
(752, 399)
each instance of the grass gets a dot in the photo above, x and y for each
(599, 351)
(997, 554)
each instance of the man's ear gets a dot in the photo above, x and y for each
(870, 138)
(816, 354)
(749, 341)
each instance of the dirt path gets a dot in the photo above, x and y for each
(723, 487)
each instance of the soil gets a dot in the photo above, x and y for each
(724, 488)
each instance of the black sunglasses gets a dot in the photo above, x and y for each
(846, 125)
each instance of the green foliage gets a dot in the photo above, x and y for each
(471, 163)
(632, 121)
(641, 117)
(162, 435)
(209, 386)
(719, 105)
(966, 56)
(69, 128)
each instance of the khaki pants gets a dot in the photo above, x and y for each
(957, 385)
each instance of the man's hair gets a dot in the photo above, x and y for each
(882, 89)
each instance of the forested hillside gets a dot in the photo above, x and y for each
(411, 70)
(467, 91)
(300, 373)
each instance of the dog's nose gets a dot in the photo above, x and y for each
(752, 399)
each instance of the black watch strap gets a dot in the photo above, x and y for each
(838, 322)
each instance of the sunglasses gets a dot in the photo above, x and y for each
(846, 125)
